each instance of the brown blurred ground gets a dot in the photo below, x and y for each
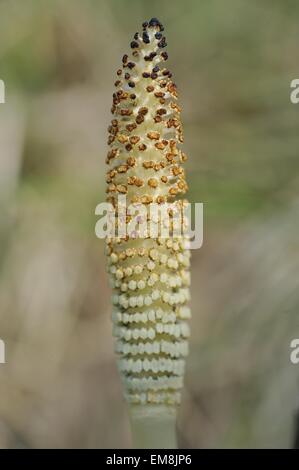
(233, 62)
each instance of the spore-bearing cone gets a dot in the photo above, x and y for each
(150, 277)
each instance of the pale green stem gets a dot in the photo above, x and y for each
(153, 426)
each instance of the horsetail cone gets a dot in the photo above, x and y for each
(149, 276)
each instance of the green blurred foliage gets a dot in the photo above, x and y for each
(233, 62)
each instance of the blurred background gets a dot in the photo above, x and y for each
(233, 62)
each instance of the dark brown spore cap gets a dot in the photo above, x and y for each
(134, 44)
(145, 37)
(155, 22)
(162, 43)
